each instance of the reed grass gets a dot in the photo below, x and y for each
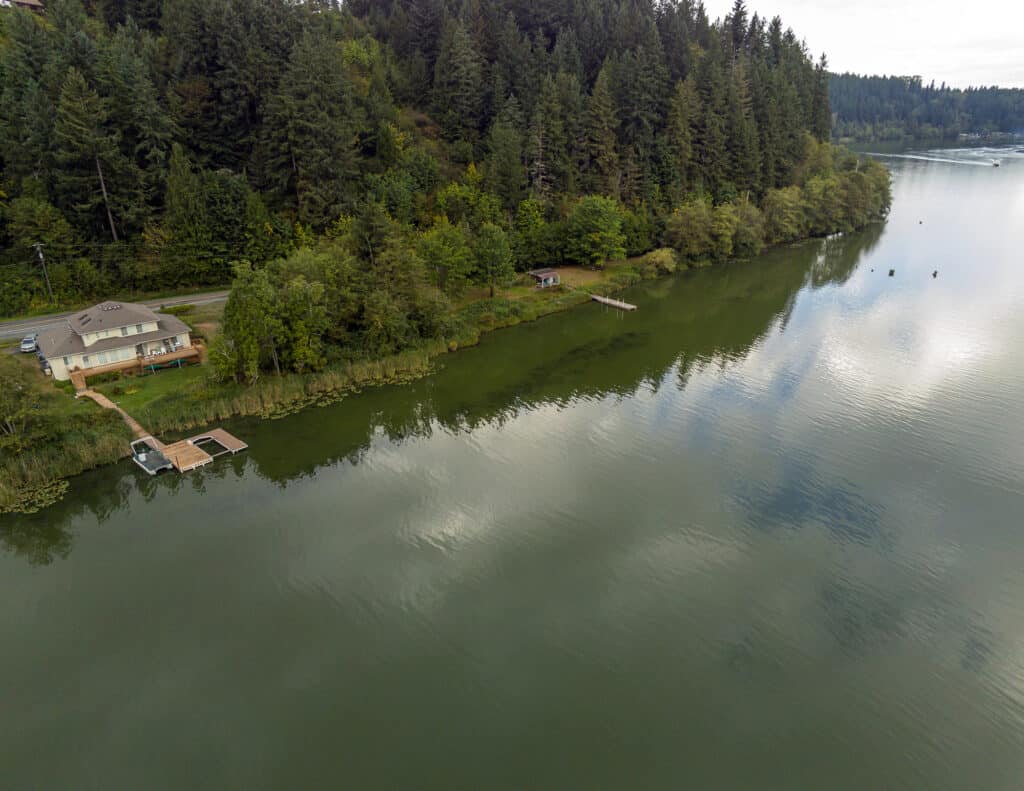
(33, 478)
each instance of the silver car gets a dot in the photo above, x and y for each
(28, 343)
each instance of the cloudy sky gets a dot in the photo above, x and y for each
(979, 43)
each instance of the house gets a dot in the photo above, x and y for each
(545, 277)
(31, 5)
(109, 334)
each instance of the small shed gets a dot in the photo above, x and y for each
(545, 277)
(31, 5)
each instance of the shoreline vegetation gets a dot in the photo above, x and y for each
(373, 177)
(32, 478)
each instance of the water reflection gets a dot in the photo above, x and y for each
(694, 321)
(709, 318)
(778, 506)
(802, 497)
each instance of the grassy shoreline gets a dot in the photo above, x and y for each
(275, 397)
(37, 479)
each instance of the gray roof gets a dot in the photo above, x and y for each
(111, 316)
(63, 341)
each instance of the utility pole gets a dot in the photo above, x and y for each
(42, 260)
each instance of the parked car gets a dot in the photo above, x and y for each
(29, 344)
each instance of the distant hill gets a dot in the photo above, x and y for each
(891, 108)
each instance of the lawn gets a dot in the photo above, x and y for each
(206, 319)
(134, 393)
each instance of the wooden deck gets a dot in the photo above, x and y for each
(190, 454)
(185, 456)
(139, 364)
(614, 303)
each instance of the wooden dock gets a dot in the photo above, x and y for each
(198, 451)
(612, 303)
(185, 455)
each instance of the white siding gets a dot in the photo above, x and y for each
(90, 338)
(60, 371)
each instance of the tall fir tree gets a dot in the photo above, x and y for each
(683, 115)
(88, 156)
(311, 133)
(602, 168)
(458, 84)
(506, 175)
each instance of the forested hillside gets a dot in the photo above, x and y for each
(358, 166)
(891, 108)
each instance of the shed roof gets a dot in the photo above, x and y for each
(542, 272)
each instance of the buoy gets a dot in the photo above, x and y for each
(920, 222)
(935, 273)
(892, 272)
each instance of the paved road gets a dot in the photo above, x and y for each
(22, 327)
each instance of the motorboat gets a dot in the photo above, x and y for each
(147, 454)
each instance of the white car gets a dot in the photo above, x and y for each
(28, 343)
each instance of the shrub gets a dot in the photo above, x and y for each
(662, 261)
(178, 310)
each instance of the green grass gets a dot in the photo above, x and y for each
(135, 393)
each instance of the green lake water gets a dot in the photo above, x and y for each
(765, 532)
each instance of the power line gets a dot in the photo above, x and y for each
(42, 260)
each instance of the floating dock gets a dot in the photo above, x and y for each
(613, 303)
(198, 451)
(185, 455)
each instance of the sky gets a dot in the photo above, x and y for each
(978, 43)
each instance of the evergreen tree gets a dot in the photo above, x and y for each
(744, 164)
(821, 114)
(458, 84)
(311, 131)
(683, 115)
(87, 153)
(601, 143)
(710, 132)
(144, 128)
(506, 176)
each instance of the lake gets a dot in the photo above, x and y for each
(765, 532)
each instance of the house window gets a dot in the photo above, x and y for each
(67, 361)
(85, 361)
(124, 331)
(138, 328)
